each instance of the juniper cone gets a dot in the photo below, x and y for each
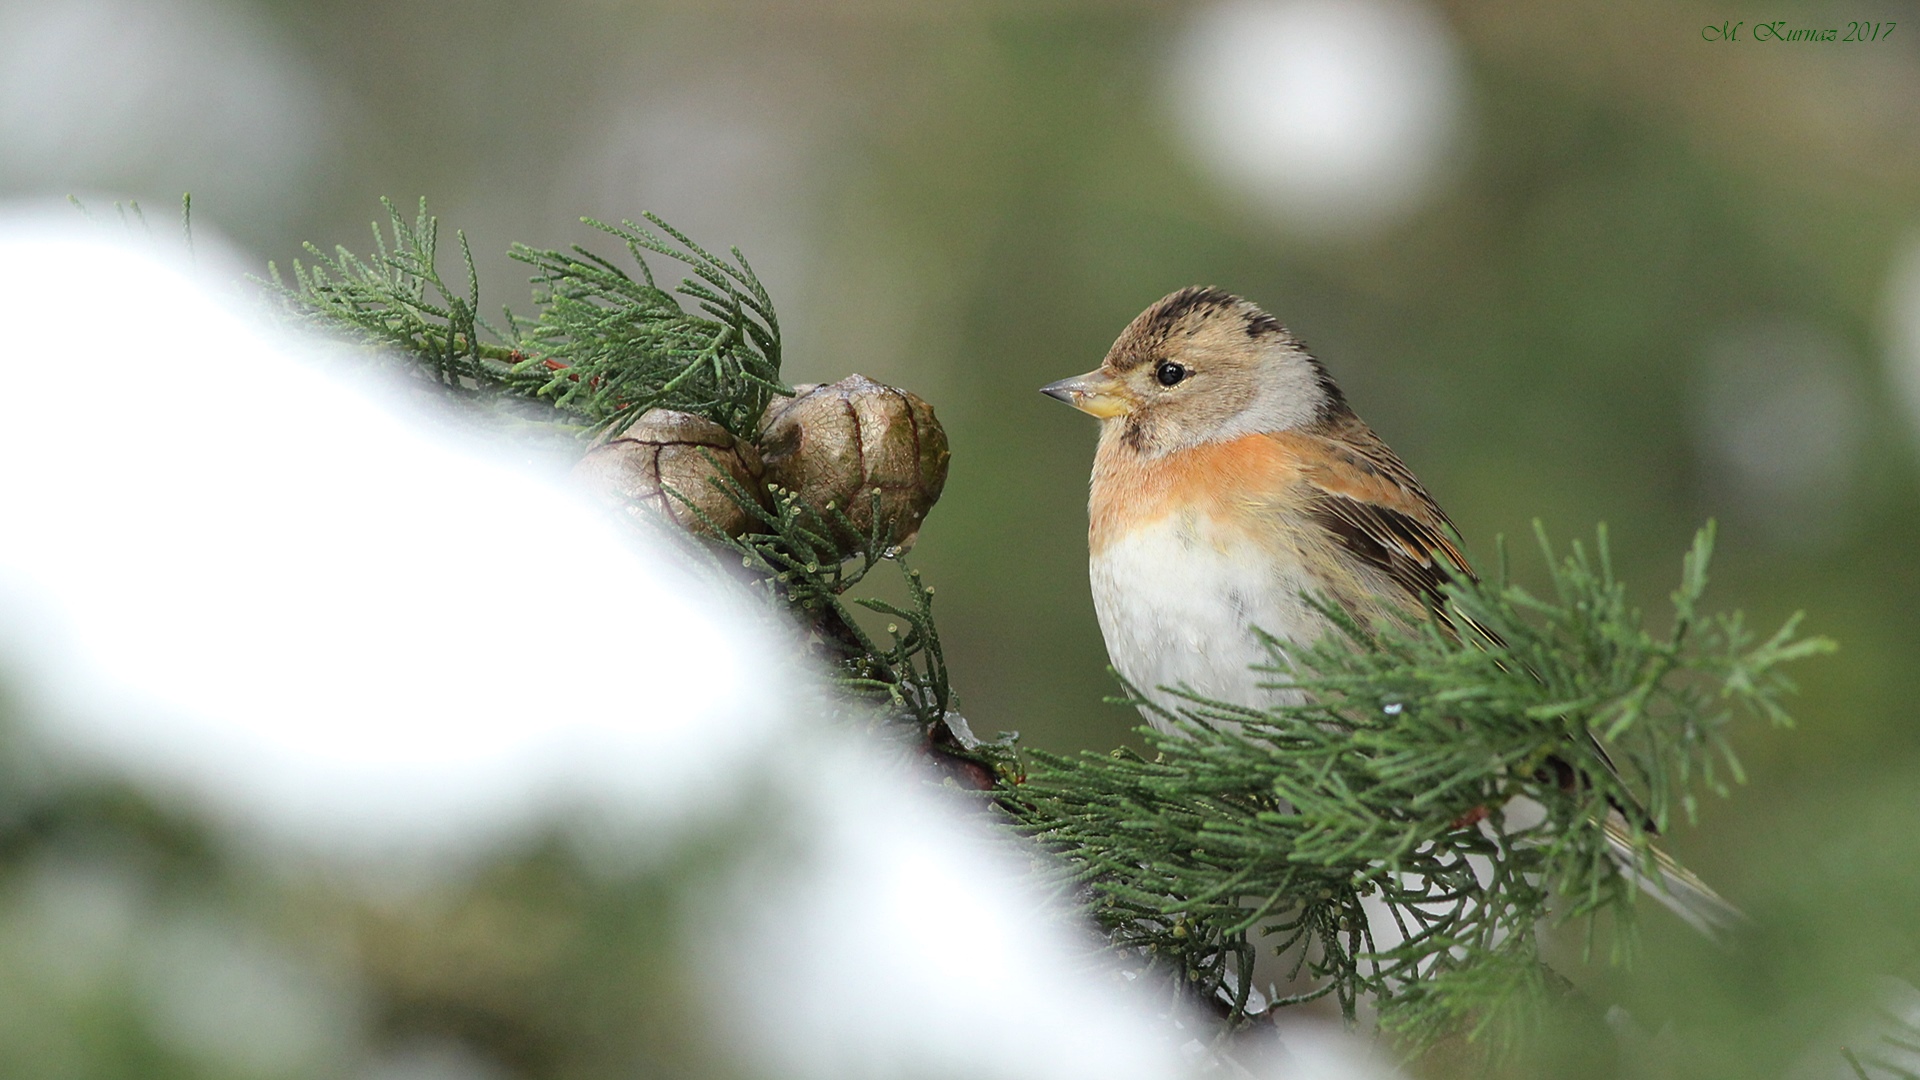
(837, 444)
(688, 453)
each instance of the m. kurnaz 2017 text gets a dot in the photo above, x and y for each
(1780, 31)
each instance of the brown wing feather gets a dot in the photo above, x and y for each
(1390, 542)
(1363, 495)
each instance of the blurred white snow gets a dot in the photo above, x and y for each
(912, 938)
(239, 582)
(242, 582)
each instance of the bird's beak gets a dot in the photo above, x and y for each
(1096, 393)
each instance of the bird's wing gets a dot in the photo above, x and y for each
(1364, 496)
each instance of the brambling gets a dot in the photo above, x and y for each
(1232, 481)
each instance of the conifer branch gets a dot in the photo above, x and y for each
(629, 346)
(604, 348)
(397, 300)
(1281, 827)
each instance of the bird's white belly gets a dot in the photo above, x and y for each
(1177, 601)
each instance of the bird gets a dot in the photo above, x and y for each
(1231, 483)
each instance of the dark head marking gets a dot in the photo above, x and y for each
(1263, 323)
(1162, 317)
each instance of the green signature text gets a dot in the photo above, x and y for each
(1783, 31)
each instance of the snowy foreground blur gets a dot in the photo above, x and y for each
(253, 591)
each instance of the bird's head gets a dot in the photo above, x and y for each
(1202, 366)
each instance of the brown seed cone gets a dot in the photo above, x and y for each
(835, 444)
(668, 449)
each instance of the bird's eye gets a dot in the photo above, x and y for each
(1169, 373)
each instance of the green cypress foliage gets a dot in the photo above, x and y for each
(605, 348)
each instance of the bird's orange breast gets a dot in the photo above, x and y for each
(1226, 481)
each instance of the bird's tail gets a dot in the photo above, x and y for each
(1672, 884)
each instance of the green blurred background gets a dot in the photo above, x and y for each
(1638, 277)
